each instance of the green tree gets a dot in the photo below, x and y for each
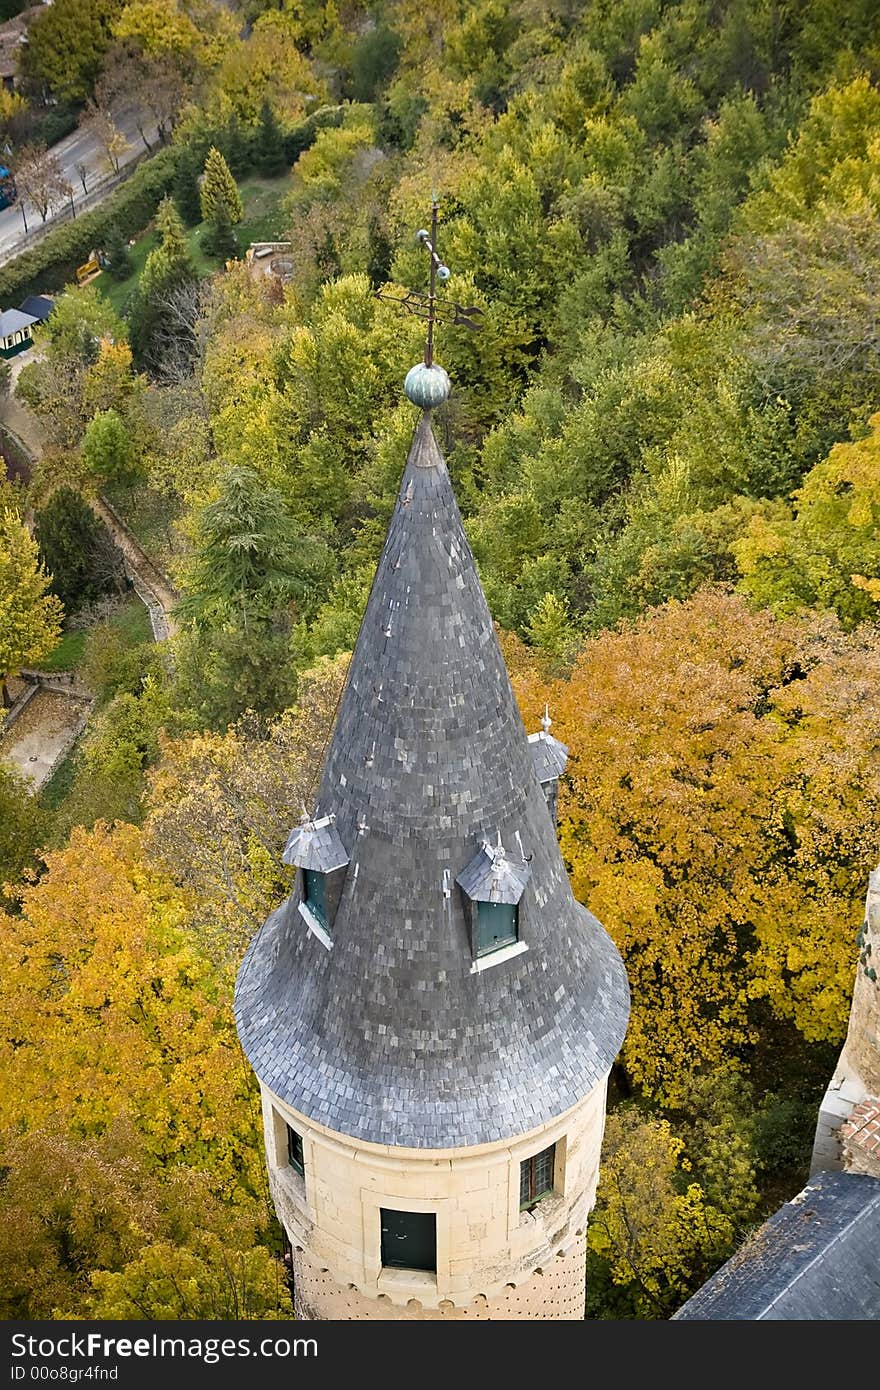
(250, 559)
(185, 188)
(827, 553)
(107, 449)
(117, 253)
(653, 1232)
(160, 331)
(30, 617)
(76, 549)
(253, 574)
(271, 160)
(23, 828)
(66, 44)
(220, 196)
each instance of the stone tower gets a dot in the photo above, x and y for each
(848, 1128)
(431, 1015)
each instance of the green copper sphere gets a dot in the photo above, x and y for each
(427, 386)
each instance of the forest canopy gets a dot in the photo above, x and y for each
(664, 437)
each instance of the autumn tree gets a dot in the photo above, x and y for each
(719, 818)
(652, 1233)
(40, 179)
(66, 43)
(23, 829)
(30, 616)
(124, 1093)
(98, 122)
(827, 553)
(80, 341)
(220, 807)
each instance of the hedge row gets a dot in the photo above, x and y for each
(52, 263)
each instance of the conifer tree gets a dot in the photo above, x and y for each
(271, 160)
(170, 263)
(220, 195)
(117, 253)
(185, 189)
(235, 146)
(168, 269)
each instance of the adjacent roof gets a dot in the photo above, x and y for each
(549, 756)
(12, 320)
(815, 1258)
(388, 1036)
(862, 1130)
(315, 845)
(39, 306)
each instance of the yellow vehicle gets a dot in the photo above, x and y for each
(87, 271)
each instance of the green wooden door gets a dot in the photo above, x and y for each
(409, 1239)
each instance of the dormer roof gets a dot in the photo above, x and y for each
(315, 844)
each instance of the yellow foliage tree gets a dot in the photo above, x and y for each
(222, 805)
(655, 1231)
(129, 1120)
(719, 816)
(30, 618)
(108, 1011)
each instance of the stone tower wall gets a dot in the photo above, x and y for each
(856, 1078)
(493, 1260)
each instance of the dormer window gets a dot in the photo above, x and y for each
(549, 759)
(493, 884)
(315, 847)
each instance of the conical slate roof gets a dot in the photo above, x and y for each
(391, 1036)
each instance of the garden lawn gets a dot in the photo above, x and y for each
(131, 621)
(67, 655)
(263, 220)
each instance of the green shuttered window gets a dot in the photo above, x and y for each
(295, 1151)
(314, 894)
(536, 1177)
(497, 926)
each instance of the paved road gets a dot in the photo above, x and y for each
(75, 148)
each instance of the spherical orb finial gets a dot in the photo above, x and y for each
(427, 386)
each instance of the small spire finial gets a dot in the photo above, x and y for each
(546, 721)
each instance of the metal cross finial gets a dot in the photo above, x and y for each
(439, 271)
(427, 306)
